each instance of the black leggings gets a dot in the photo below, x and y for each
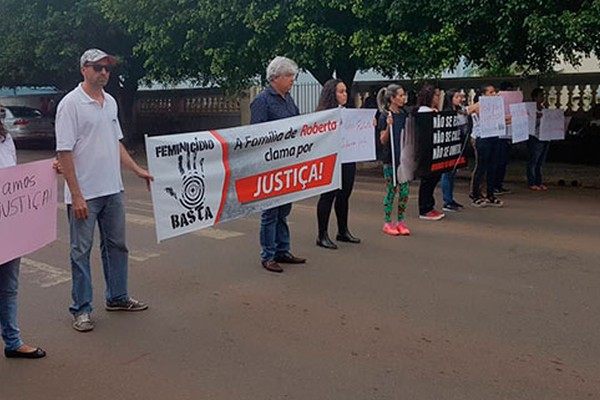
(341, 197)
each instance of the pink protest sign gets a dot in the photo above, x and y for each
(27, 208)
(511, 97)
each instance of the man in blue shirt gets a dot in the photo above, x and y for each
(272, 104)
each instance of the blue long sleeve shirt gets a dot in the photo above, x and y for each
(270, 106)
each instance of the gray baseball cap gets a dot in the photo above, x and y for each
(93, 55)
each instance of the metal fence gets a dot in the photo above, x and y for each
(306, 96)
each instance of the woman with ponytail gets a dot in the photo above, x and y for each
(390, 101)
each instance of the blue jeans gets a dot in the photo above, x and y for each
(537, 151)
(109, 213)
(9, 286)
(448, 187)
(274, 232)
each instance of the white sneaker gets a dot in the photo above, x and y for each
(83, 323)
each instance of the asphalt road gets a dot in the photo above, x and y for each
(486, 304)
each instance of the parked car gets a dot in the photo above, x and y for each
(28, 125)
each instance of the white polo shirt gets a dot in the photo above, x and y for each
(8, 153)
(92, 133)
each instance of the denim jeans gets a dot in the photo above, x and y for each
(537, 151)
(274, 232)
(9, 286)
(109, 213)
(448, 187)
(486, 149)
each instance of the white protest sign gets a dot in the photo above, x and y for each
(358, 137)
(520, 122)
(203, 178)
(552, 124)
(492, 119)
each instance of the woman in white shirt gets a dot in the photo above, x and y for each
(9, 278)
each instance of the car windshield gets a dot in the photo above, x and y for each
(25, 112)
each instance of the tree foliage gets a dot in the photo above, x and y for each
(43, 39)
(532, 34)
(230, 42)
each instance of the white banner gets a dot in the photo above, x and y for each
(552, 124)
(523, 123)
(358, 136)
(203, 178)
(492, 118)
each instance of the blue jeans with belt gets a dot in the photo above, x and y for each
(9, 286)
(109, 213)
(274, 232)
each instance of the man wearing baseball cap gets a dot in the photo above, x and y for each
(88, 142)
(92, 56)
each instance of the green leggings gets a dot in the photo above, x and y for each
(388, 201)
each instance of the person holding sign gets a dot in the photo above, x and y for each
(334, 94)
(88, 142)
(9, 278)
(486, 147)
(274, 103)
(428, 100)
(511, 96)
(391, 100)
(453, 101)
(536, 148)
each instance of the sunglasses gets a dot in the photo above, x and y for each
(100, 67)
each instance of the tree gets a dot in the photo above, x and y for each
(44, 40)
(532, 34)
(230, 42)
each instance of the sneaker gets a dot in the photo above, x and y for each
(432, 215)
(390, 229)
(83, 323)
(501, 191)
(480, 202)
(130, 304)
(457, 204)
(494, 202)
(402, 228)
(450, 208)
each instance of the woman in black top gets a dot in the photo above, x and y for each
(391, 100)
(334, 94)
